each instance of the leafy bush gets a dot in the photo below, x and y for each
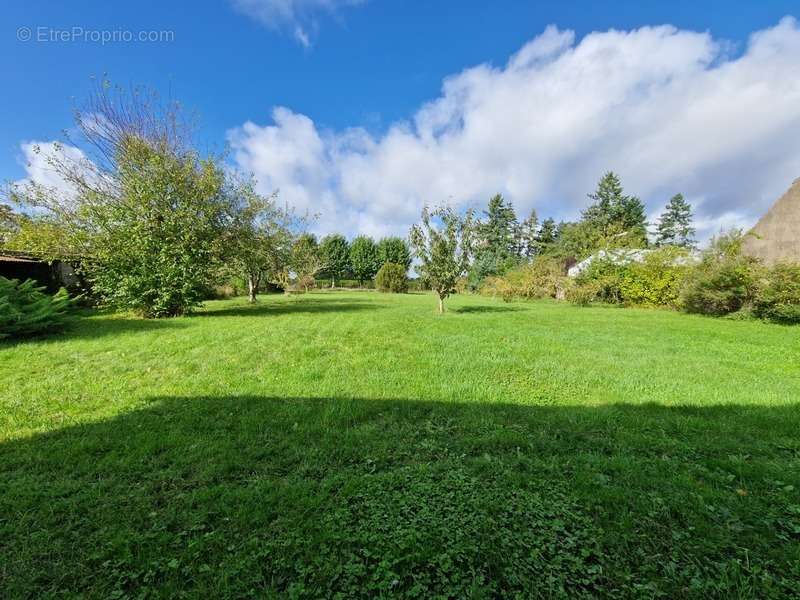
(26, 310)
(654, 281)
(541, 278)
(602, 281)
(657, 280)
(724, 281)
(392, 278)
(582, 294)
(778, 295)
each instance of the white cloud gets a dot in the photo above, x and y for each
(37, 158)
(670, 110)
(298, 16)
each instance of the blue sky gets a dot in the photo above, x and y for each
(354, 77)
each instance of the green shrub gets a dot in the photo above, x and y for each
(654, 281)
(26, 310)
(582, 294)
(604, 278)
(657, 280)
(778, 296)
(392, 278)
(541, 278)
(724, 281)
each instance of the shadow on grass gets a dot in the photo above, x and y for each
(91, 324)
(294, 305)
(488, 309)
(246, 495)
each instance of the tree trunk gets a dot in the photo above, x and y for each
(252, 288)
(441, 305)
(333, 282)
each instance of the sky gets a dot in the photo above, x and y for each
(363, 111)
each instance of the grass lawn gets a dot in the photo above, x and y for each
(359, 443)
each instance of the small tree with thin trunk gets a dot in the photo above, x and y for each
(442, 242)
(306, 261)
(258, 240)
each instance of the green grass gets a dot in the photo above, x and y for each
(359, 443)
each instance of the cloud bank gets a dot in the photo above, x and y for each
(669, 110)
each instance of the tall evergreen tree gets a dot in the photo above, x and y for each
(497, 248)
(547, 235)
(675, 224)
(527, 240)
(613, 213)
(498, 231)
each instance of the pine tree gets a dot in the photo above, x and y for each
(527, 241)
(547, 235)
(613, 213)
(25, 309)
(675, 224)
(498, 232)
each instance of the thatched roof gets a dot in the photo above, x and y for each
(776, 236)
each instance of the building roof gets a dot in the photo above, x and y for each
(776, 236)
(5, 257)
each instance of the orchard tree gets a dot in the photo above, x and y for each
(442, 242)
(258, 240)
(306, 260)
(335, 252)
(364, 260)
(675, 224)
(394, 250)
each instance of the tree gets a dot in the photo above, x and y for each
(497, 244)
(25, 309)
(144, 210)
(391, 277)
(394, 250)
(498, 232)
(528, 244)
(335, 252)
(364, 260)
(8, 223)
(442, 242)
(675, 224)
(615, 215)
(306, 261)
(258, 240)
(547, 235)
